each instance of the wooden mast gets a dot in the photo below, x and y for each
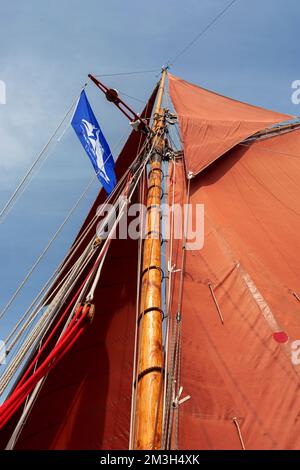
(149, 386)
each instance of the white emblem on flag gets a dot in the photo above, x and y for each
(91, 136)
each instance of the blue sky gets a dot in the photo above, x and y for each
(46, 51)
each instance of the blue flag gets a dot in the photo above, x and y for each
(90, 135)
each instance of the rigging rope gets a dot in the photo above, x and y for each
(71, 253)
(47, 247)
(72, 276)
(201, 33)
(25, 179)
(33, 397)
(127, 73)
(68, 216)
(73, 301)
(173, 389)
(42, 303)
(132, 97)
(138, 290)
(169, 297)
(73, 332)
(32, 337)
(269, 149)
(39, 330)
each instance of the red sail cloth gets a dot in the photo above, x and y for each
(251, 256)
(86, 400)
(211, 124)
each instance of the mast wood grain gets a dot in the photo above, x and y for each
(148, 416)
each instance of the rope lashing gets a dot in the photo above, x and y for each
(237, 425)
(211, 288)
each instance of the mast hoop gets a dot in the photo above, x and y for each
(155, 169)
(148, 371)
(149, 310)
(157, 186)
(148, 269)
(153, 232)
(153, 206)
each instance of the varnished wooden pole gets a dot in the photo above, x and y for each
(149, 392)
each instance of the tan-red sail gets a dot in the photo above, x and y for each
(242, 373)
(247, 368)
(211, 124)
(86, 400)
